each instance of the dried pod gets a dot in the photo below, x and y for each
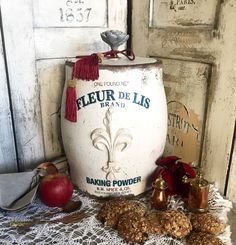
(202, 238)
(111, 211)
(175, 223)
(207, 223)
(133, 227)
(154, 222)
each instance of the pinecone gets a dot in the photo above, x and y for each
(202, 238)
(207, 223)
(175, 223)
(111, 211)
(133, 227)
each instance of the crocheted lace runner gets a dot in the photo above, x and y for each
(89, 231)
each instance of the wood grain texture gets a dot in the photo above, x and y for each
(8, 161)
(20, 55)
(222, 102)
(186, 89)
(51, 78)
(207, 46)
(140, 21)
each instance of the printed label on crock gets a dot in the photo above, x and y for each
(109, 97)
(116, 186)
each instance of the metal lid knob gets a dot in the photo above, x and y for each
(114, 38)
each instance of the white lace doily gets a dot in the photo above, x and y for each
(90, 231)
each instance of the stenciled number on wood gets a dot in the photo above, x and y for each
(75, 11)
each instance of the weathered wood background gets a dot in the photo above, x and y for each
(38, 36)
(196, 41)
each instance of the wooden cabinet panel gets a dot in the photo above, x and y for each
(186, 86)
(20, 55)
(70, 13)
(39, 36)
(183, 13)
(51, 77)
(8, 162)
(197, 33)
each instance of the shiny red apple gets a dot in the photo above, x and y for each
(55, 190)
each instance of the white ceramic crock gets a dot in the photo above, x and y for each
(120, 130)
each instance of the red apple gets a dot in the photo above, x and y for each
(55, 190)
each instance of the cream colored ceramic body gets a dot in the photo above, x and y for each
(120, 130)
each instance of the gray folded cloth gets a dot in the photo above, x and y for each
(18, 190)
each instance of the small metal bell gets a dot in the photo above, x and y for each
(198, 194)
(159, 197)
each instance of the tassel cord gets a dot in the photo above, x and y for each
(128, 53)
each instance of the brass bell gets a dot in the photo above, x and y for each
(159, 197)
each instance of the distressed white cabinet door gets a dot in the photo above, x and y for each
(8, 162)
(24, 88)
(40, 35)
(196, 41)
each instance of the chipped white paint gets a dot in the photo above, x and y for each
(20, 55)
(7, 147)
(62, 43)
(36, 47)
(70, 13)
(96, 145)
(212, 42)
(51, 78)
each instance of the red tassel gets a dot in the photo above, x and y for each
(86, 68)
(71, 110)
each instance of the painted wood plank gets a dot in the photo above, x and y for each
(222, 102)
(20, 54)
(194, 44)
(186, 90)
(8, 161)
(117, 15)
(69, 42)
(51, 77)
(140, 21)
(183, 13)
(70, 13)
(182, 44)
